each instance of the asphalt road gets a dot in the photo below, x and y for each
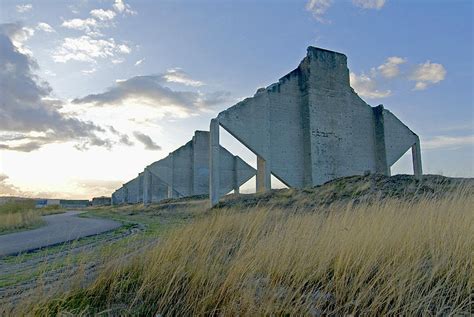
(59, 228)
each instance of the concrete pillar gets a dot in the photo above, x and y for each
(140, 188)
(170, 177)
(381, 166)
(236, 176)
(214, 163)
(125, 195)
(147, 187)
(416, 157)
(263, 175)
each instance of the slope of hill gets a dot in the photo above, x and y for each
(362, 245)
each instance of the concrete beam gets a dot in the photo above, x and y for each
(214, 163)
(147, 186)
(171, 192)
(416, 157)
(263, 175)
(381, 165)
(125, 194)
(236, 175)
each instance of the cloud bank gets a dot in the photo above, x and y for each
(29, 116)
(150, 90)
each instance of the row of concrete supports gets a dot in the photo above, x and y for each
(263, 176)
(185, 172)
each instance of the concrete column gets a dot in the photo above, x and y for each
(381, 166)
(147, 187)
(416, 157)
(170, 177)
(125, 195)
(263, 175)
(214, 163)
(236, 176)
(140, 188)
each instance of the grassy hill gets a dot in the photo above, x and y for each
(365, 245)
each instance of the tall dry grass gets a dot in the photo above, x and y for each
(394, 258)
(17, 215)
(21, 214)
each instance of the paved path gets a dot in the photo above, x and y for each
(58, 229)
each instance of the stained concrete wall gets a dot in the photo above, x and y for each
(312, 127)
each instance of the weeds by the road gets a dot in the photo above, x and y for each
(398, 257)
(22, 214)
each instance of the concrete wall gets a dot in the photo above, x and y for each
(311, 127)
(186, 171)
(117, 197)
(154, 189)
(131, 191)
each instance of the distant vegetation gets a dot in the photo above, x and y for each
(392, 256)
(21, 214)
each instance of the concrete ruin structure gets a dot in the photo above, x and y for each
(185, 172)
(311, 127)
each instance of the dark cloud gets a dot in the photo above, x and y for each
(150, 90)
(123, 138)
(26, 105)
(147, 141)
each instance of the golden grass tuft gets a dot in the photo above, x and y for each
(21, 214)
(392, 258)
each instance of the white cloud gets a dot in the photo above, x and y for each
(45, 27)
(390, 68)
(30, 118)
(176, 75)
(87, 49)
(18, 35)
(124, 49)
(139, 62)
(80, 24)
(439, 142)
(318, 8)
(121, 7)
(369, 4)
(427, 74)
(367, 87)
(22, 8)
(48, 72)
(89, 71)
(118, 61)
(103, 15)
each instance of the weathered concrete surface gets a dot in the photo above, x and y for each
(311, 127)
(186, 170)
(59, 228)
(118, 197)
(131, 191)
(154, 189)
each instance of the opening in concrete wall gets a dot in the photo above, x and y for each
(277, 184)
(404, 165)
(237, 148)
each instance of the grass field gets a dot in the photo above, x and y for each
(393, 257)
(21, 214)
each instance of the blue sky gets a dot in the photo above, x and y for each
(158, 70)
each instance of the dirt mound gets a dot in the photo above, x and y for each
(368, 188)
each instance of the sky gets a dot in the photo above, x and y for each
(93, 91)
